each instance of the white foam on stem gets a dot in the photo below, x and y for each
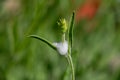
(62, 47)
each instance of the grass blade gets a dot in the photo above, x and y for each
(71, 30)
(43, 40)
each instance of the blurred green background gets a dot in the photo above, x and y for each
(96, 52)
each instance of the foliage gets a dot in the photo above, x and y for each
(96, 51)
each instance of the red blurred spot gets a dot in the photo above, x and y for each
(87, 10)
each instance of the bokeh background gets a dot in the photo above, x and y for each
(96, 46)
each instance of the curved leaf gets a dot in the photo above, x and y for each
(71, 30)
(43, 40)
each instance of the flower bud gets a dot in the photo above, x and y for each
(63, 24)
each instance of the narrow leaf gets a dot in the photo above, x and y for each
(43, 40)
(71, 30)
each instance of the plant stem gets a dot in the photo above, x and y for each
(63, 37)
(69, 58)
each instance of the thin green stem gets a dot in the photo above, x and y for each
(69, 58)
(63, 37)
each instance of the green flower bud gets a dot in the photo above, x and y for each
(63, 24)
